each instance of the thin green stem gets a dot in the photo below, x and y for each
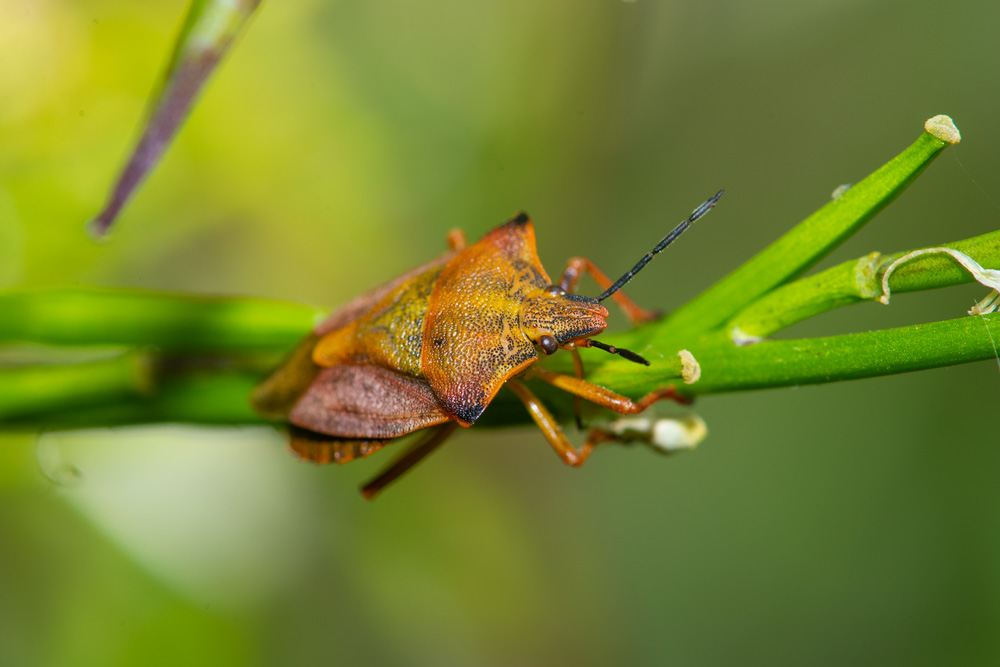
(91, 316)
(222, 397)
(47, 390)
(198, 398)
(786, 363)
(806, 244)
(727, 367)
(858, 280)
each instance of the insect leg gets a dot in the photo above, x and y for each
(575, 268)
(409, 458)
(550, 428)
(605, 397)
(456, 239)
(578, 371)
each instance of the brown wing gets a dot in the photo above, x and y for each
(275, 397)
(366, 402)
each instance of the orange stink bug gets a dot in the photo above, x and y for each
(432, 348)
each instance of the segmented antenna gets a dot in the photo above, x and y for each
(620, 351)
(667, 240)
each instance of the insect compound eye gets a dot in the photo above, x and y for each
(555, 290)
(548, 344)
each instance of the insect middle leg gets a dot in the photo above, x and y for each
(575, 268)
(551, 430)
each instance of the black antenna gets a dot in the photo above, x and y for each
(620, 351)
(667, 240)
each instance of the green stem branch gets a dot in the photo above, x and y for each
(93, 316)
(787, 363)
(41, 391)
(855, 281)
(222, 397)
(807, 243)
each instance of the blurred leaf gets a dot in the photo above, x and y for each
(207, 33)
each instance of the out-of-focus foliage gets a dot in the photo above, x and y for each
(208, 32)
(854, 523)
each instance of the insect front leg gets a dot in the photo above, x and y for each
(551, 430)
(575, 268)
(578, 372)
(605, 397)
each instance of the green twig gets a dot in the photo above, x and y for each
(222, 397)
(855, 281)
(92, 316)
(788, 363)
(41, 391)
(198, 398)
(808, 242)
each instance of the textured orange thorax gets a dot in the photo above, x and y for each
(473, 340)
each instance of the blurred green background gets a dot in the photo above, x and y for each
(856, 523)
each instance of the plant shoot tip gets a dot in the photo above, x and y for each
(943, 127)
(690, 368)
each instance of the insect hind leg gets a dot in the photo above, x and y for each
(412, 456)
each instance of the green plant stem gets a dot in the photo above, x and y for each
(199, 398)
(727, 367)
(786, 363)
(46, 390)
(859, 280)
(90, 316)
(806, 244)
(222, 397)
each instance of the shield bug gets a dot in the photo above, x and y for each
(430, 350)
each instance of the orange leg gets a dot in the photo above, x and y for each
(456, 240)
(578, 372)
(550, 428)
(575, 268)
(416, 453)
(605, 397)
